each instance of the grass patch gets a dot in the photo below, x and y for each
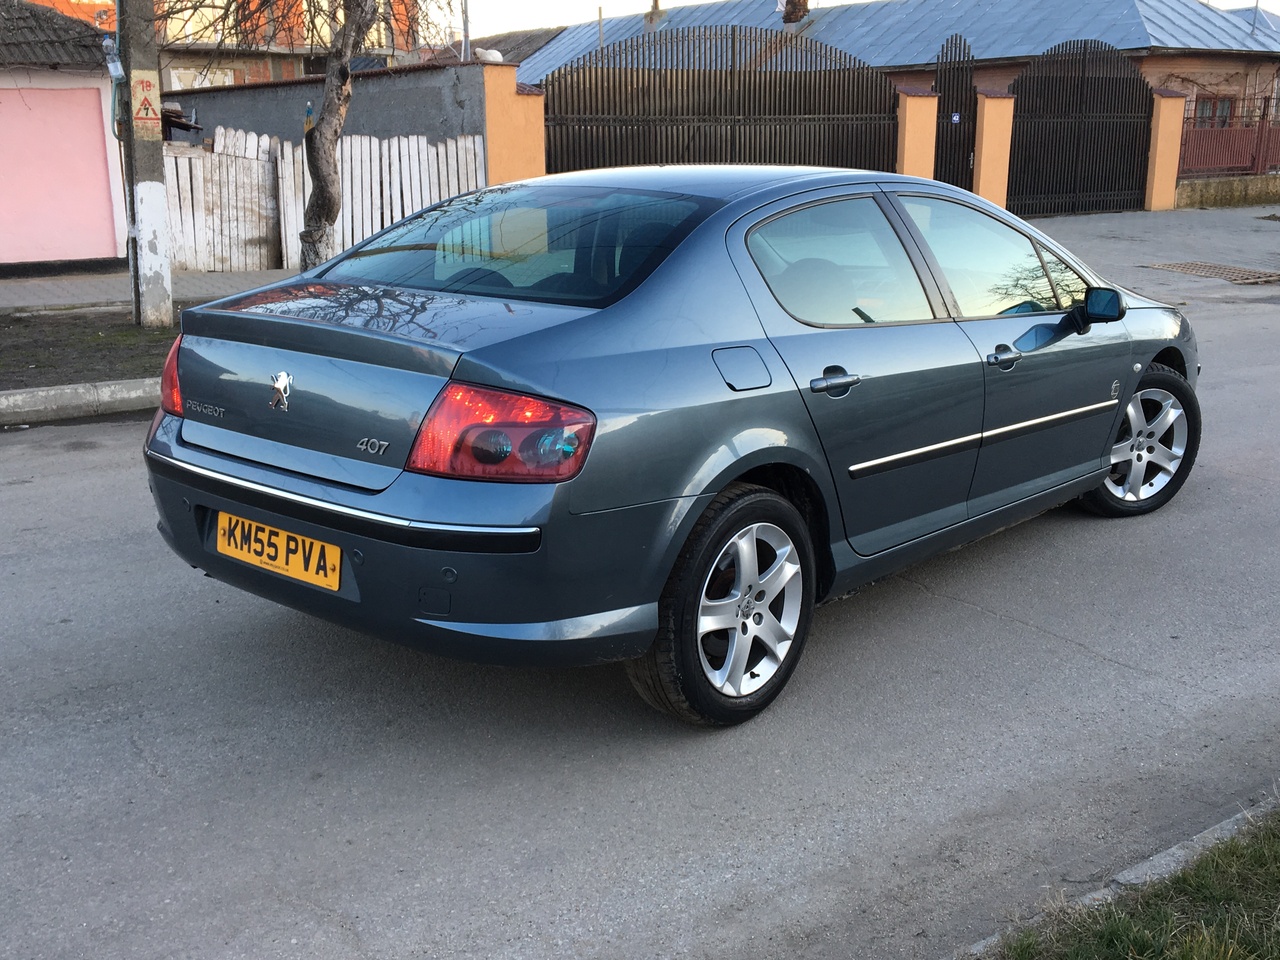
(1224, 906)
(53, 349)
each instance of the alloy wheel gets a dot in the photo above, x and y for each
(749, 610)
(1149, 450)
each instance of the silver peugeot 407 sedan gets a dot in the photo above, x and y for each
(656, 414)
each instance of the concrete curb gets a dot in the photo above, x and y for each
(1162, 865)
(22, 313)
(46, 404)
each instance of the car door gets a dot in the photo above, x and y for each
(894, 387)
(1052, 393)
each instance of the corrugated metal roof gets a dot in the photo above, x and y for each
(582, 38)
(518, 44)
(32, 35)
(514, 46)
(1265, 20)
(907, 32)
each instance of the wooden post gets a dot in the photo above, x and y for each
(992, 142)
(917, 132)
(1166, 148)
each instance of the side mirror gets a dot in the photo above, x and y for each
(1101, 305)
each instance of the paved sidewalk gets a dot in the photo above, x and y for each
(87, 290)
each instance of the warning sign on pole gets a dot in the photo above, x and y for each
(145, 89)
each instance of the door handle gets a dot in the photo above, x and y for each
(837, 385)
(1004, 354)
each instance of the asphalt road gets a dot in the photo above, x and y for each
(189, 771)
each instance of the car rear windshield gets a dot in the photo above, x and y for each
(585, 246)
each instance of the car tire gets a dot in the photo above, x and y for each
(735, 612)
(1154, 449)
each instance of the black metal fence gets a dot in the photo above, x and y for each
(1081, 132)
(720, 95)
(957, 114)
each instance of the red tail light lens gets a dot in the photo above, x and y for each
(481, 434)
(170, 392)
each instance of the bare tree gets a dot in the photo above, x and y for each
(339, 29)
(322, 139)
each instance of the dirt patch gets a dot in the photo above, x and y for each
(51, 349)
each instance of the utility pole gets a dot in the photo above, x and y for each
(144, 165)
(465, 56)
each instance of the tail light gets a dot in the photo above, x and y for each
(481, 434)
(170, 392)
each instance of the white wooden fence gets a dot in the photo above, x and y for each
(240, 207)
(223, 206)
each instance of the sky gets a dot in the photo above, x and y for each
(488, 17)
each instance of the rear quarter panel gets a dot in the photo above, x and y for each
(669, 426)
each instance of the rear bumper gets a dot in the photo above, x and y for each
(573, 590)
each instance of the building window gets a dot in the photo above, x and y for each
(1214, 111)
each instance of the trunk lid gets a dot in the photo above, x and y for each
(331, 380)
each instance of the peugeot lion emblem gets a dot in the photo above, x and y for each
(280, 384)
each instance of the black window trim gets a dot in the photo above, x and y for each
(1041, 250)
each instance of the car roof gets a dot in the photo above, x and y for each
(723, 181)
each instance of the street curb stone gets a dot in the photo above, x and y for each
(1159, 867)
(20, 312)
(46, 404)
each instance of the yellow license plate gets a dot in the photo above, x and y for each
(289, 554)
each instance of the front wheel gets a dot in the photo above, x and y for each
(735, 612)
(1154, 448)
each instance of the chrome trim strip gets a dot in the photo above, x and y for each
(985, 435)
(1051, 417)
(868, 464)
(337, 508)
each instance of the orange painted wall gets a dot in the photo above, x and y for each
(917, 132)
(55, 189)
(515, 127)
(102, 15)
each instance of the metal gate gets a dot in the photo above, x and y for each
(720, 95)
(1081, 132)
(957, 113)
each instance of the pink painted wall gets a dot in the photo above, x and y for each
(55, 191)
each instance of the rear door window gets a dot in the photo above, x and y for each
(838, 263)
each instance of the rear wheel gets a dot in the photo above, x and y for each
(735, 612)
(1154, 448)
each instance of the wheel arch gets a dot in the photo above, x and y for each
(798, 487)
(1172, 357)
(796, 471)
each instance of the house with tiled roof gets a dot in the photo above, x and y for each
(61, 193)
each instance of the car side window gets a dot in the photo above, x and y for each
(1069, 284)
(837, 264)
(992, 269)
